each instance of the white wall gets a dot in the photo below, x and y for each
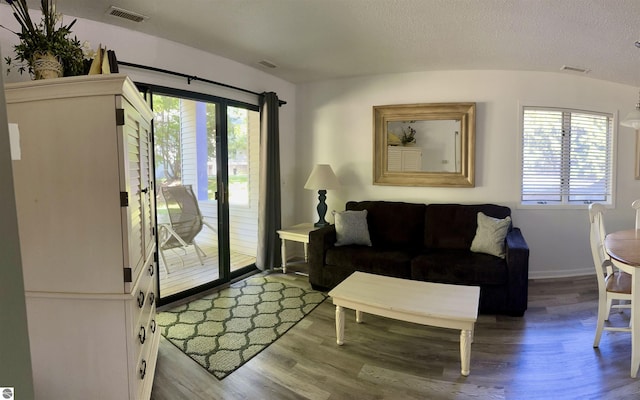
(143, 49)
(331, 122)
(335, 125)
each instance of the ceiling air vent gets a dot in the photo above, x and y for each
(125, 14)
(575, 69)
(267, 64)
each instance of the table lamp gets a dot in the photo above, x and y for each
(322, 178)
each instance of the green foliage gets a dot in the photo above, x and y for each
(213, 182)
(237, 135)
(167, 136)
(43, 37)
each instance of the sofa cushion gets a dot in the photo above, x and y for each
(351, 228)
(459, 267)
(393, 225)
(490, 235)
(369, 259)
(453, 226)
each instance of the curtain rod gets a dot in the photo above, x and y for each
(192, 78)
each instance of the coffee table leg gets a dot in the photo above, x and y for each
(339, 325)
(358, 316)
(466, 337)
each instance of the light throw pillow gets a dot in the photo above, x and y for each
(490, 235)
(352, 228)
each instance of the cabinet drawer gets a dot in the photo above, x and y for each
(144, 333)
(145, 330)
(141, 307)
(142, 299)
(146, 359)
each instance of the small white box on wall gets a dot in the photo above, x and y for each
(14, 140)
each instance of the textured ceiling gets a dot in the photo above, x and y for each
(312, 40)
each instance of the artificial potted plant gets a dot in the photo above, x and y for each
(46, 49)
(408, 136)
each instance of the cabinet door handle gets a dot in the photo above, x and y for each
(141, 299)
(153, 326)
(143, 369)
(152, 297)
(145, 190)
(142, 335)
(151, 269)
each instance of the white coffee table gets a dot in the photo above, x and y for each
(434, 304)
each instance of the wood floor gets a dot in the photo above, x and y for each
(186, 272)
(547, 354)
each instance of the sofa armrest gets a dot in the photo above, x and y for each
(517, 257)
(320, 241)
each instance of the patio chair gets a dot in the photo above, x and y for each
(185, 224)
(613, 285)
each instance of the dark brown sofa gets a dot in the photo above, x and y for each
(427, 243)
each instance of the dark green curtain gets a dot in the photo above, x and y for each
(268, 256)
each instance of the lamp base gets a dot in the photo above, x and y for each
(322, 208)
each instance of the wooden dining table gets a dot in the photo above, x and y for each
(624, 249)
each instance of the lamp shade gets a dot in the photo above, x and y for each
(632, 120)
(322, 178)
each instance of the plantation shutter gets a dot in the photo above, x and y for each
(566, 156)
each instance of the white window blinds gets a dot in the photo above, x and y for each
(566, 156)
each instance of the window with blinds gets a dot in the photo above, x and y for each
(567, 156)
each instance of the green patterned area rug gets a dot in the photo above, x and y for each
(226, 329)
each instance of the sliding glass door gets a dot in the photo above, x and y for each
(242, 161)
(207, 149)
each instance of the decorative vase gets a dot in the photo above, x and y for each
(46, 66)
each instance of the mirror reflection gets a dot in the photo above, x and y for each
(424, 144)
(431, 146)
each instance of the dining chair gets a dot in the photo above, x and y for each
(613, 285)
(636, 206)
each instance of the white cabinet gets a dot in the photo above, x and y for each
(85, 201)
(404, 159)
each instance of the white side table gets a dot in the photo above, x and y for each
(297, 233)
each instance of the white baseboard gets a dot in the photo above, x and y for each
(565, 273)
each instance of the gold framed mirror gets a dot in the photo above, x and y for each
(424, 144)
